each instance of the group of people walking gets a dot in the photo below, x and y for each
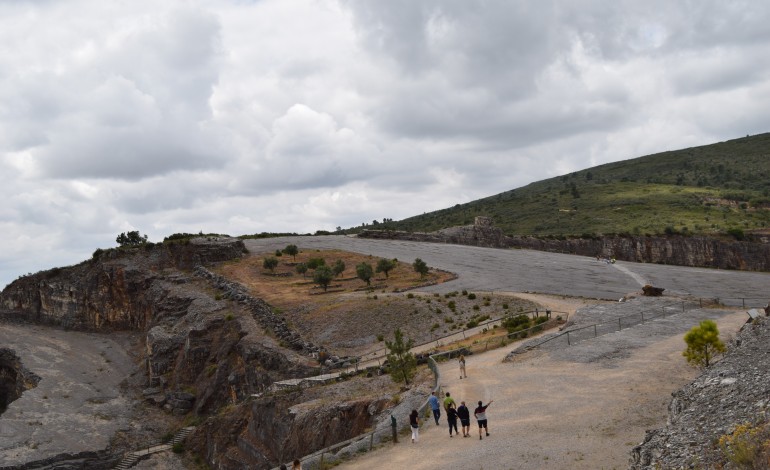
(453, 413)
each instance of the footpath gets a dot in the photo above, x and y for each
(583, 407)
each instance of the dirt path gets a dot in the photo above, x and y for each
(552, 413)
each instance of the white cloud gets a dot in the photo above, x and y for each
(240, 117)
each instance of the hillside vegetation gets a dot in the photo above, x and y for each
(718, 189)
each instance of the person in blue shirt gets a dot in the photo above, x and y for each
(435, 406)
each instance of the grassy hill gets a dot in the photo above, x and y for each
(716, 189)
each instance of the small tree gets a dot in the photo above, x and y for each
(323, 276)
(292, 251)
(401, 361)
(421, 267)
(385, 265)
(301, 269)
(132, 238)
(703, 344)
(338, 268)
(314, 263)
(364, 272)
(270, 263)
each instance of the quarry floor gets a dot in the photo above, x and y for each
(78, 405)
(552, 410)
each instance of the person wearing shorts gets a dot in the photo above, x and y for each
(481, 416)
(465, 419)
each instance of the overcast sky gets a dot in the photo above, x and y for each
(288, 115)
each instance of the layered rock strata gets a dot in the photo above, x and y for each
(677, 250)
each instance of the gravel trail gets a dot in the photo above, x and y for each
(558, 411)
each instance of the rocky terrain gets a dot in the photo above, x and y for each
(206, 346)
(730, 393)
(678, 250)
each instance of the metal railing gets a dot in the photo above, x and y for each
(581, 333)
(366, 441)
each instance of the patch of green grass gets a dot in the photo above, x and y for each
(707, 190)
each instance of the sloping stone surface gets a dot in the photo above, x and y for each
(731, 392)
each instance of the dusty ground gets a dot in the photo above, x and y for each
(551, 411)
(349, 319)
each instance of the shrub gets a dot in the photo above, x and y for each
(516, 323)
(278, 253)
(380, 337)
(270, 263)
(505, 306)
(178, 448)
(748, 446)
(476, 307)
(736, 233)
(471, 296)
(472, 324)
(465, 292)
(410, 296)
(451, 305)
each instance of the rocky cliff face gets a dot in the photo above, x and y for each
(207, 345)
(117, 289)
(281, 427)
(678, 250)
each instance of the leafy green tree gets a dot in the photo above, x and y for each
(421, 267)
(270, 263)
(292, 251)
(132, 238)
(400, 359)
(338, 268)
(703, 344)
(314, 263)
(385, 265)
(323, 276)
(301, 269)
(364, 272)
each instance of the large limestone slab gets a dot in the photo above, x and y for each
(76, 407)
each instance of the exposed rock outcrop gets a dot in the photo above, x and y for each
(280, 427)
(14, 378)
(731, 392)
(116, 289)
(678, 250)
(202, 351)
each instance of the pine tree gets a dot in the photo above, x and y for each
(703, 344)
(402, 362)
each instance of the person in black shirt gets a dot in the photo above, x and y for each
(465, 419)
